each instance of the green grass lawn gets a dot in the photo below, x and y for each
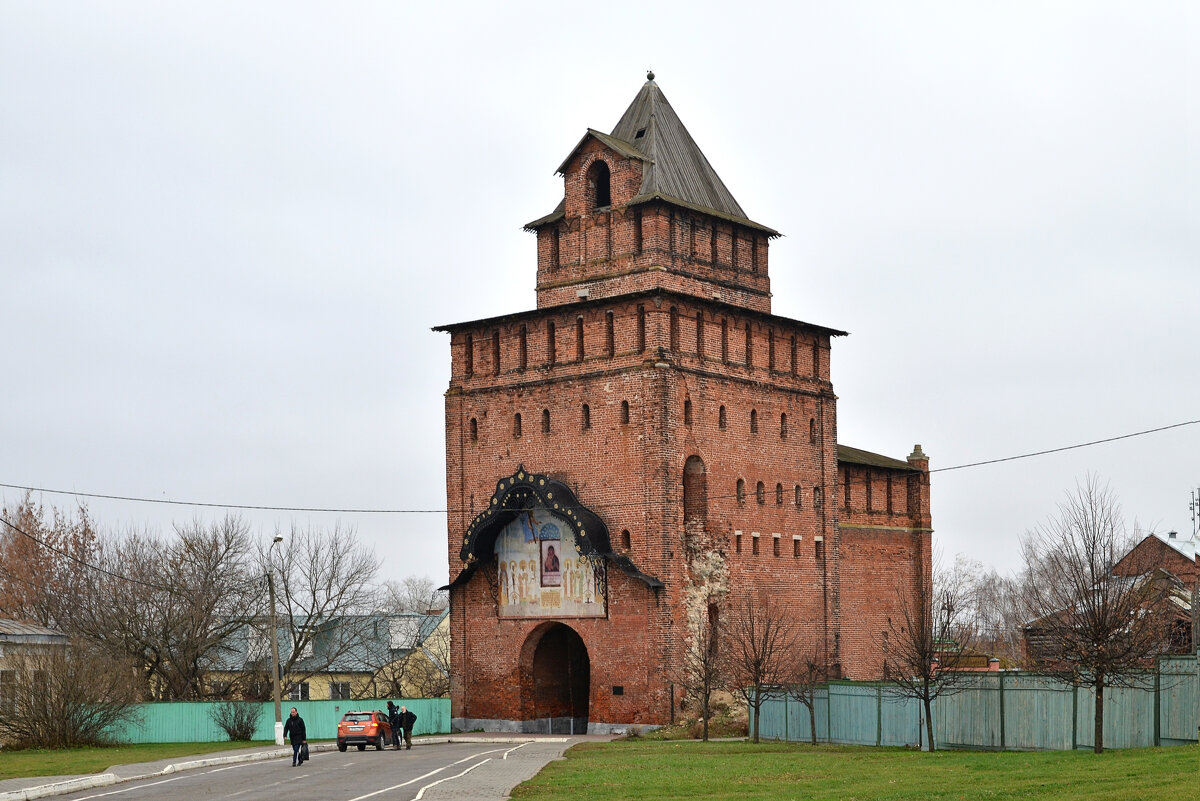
(73, 761)
(660, 771)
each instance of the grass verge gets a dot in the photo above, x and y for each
(644, 770)
(77, 761)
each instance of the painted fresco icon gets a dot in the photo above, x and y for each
(551, 567)
(549, 532)
(529, 525)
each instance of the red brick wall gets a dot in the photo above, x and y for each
(664, 329)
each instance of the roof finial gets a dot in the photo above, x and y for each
(649, 75)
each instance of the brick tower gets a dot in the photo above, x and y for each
(649, 431)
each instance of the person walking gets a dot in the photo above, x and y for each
(394, 720)
(407, 719)
(294, 729)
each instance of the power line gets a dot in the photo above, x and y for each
(364, 510)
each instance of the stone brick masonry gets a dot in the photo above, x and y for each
(652, 344)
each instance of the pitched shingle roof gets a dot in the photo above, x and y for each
(674, 170)
(856, 456)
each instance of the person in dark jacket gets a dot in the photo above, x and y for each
(407, 719)
(294, 729)
(394, 720)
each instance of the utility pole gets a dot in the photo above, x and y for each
(275, 677)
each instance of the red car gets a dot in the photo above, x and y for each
(363, 729)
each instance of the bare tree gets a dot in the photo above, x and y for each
(809, 671)
(325, 581)
(412, 594)
(42, 557)
(700, 670)
(64, 696)
(173, 607)
(761, 645)
(1089, 626)
(925, 644)
(994, 611)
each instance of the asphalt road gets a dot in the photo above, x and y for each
(476, 771)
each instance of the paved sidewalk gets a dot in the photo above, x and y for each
(492, 781)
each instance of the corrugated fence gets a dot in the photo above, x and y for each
(1001, 711)
(193, 722)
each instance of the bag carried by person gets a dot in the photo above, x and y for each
(303, 752)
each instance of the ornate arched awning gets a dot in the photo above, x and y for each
(523, 491)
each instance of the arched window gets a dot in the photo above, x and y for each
(779, 495)
(624, 412)
(517, 425)
(812, 429)
(625, 541)
(722, 419)
(598, 185)
(545, 421)
(474, 430)
(816, 497)
(695, 496)
(741, 490)
(760, 492)
(687, 412)
(799, 497)
(754, 421)
(783, 425)
(587, 417)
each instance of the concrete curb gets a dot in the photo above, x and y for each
(59, 788)
(105, 779)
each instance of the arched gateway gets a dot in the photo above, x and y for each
(556, 680)
(543, 559)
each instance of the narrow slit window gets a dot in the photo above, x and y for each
(579, 338)
(624, 412)
(754, 421)
(674, 330)
(545, 421)
(523, 348)
(783, 425)
(700, 334)
(641, 328)
(587, 417)
(760, 493)
(741, 490)
(725, 341)
(687, 412)
(722, 419)
(551, 351)
(469, 355)
(610, 335)
(749, 347)
(474, 429)
(517, 425)
(779, 495)
(496, 352)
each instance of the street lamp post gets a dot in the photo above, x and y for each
(274, 647)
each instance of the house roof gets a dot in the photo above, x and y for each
(856, 456)
(674, 168)
(1186, 546)
(13, 631)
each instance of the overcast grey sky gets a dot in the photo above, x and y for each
(227, 228)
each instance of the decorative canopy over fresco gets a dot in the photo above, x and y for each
(523, 491)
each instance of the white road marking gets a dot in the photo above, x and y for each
(425, 776)
(263, 787)
(127, 789)
(421, 793)
(509, 751)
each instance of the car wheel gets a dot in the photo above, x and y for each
(380, 743)
(362, 746)
(341, 746)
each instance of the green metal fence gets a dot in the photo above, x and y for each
(1001, 711)
(193, 722)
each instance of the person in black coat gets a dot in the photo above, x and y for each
(407, 719)
(394, 720)
(294, 729)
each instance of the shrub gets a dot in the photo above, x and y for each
(61, 697)
(238, 719)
